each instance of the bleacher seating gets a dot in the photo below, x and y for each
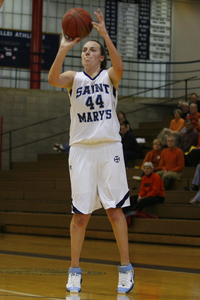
(35, 199)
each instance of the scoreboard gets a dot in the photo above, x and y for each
(15, 46)
(140, 29)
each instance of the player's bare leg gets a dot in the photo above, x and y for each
(119, 225)
(77, 231)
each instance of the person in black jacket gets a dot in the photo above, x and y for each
(122, 119)
(190, 137)
(194, 99)
(131, 148)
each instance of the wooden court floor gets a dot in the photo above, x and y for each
(35, 267)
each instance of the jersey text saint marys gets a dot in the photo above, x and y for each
(93, 110)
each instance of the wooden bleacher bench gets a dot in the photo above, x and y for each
(35, 198)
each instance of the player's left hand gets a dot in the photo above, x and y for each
(100, 27)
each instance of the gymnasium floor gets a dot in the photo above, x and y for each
(35, 267)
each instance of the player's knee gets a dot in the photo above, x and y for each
(80, 220)
(114, 214)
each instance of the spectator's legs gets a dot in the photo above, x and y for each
(196, 179)
(133, 202)
(140, 205)
(160, 173)
(168, 177)
(147, 201)
(197, 197)
(193, 158)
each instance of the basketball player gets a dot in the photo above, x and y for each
(97, 171)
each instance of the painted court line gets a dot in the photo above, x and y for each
(105, 262)
(29, 295)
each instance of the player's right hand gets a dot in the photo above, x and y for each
(68, 42)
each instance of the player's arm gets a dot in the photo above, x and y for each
(55, 77)
(116, 71)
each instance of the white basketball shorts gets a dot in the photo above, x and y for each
(98, 177)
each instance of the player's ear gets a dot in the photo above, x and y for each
(102, 58)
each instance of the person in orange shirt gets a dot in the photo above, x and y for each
(194, 116)
(154, 155)
(171, 164)
(176, 125)
(151, 191)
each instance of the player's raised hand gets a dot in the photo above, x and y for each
(100, 27)
(67, 42)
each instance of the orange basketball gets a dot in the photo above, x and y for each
(76, 23)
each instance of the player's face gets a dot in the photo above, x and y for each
(91, 54)
(147, 170)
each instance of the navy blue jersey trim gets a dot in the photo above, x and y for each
(95, 76)
(114, 91)
(123, 200)
(75, 210)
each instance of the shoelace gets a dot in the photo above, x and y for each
(124, 278)
(74, 279)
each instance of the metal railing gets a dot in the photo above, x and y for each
(10, 132)
(138, 75)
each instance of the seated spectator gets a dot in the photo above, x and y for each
(192, 158)
(194, 116)
(178, 106)
(122, 119)
(171, 163)
(184, 107)
(175, 126)
(185, 110)
(196, 184)
(151, 191)
(61, 148)
(194, 99)
(131, 148)
(189, 138)
(154, 155)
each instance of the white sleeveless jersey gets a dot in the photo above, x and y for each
(93, 110)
